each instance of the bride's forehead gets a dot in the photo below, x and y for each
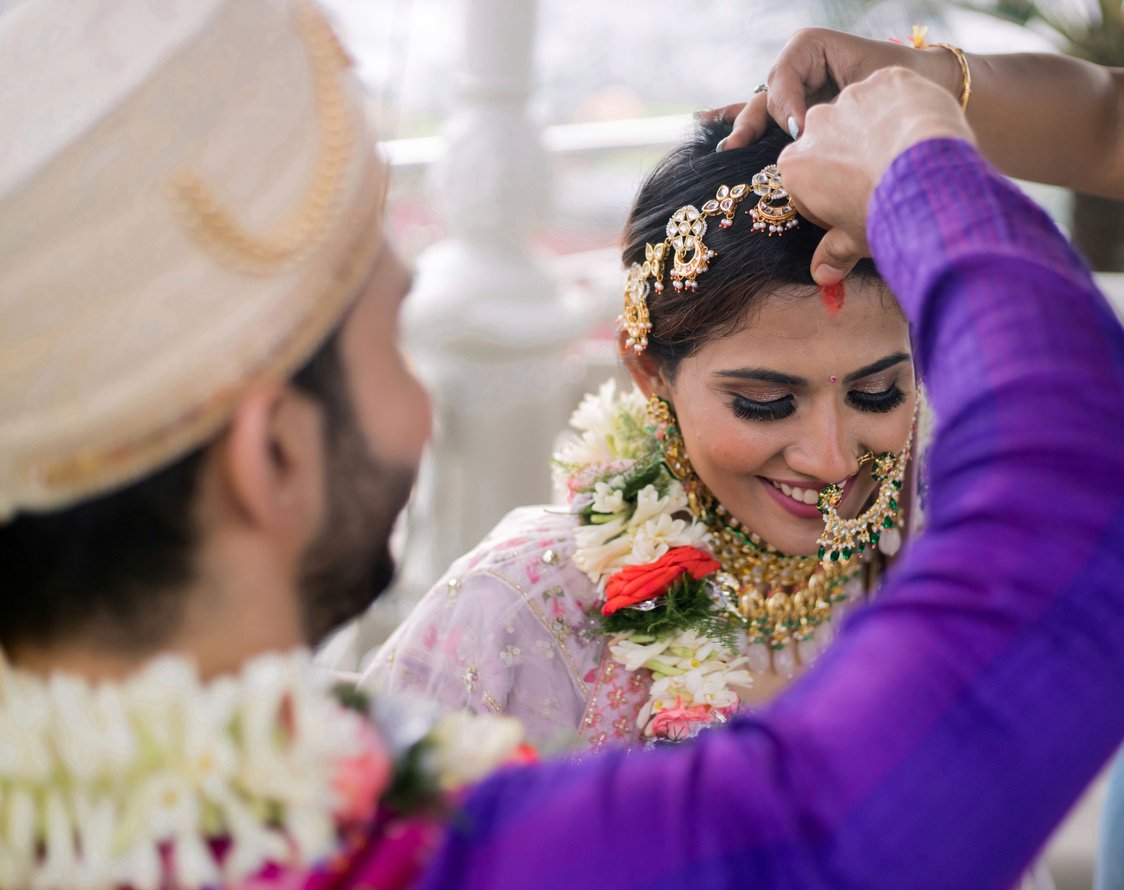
(805, 311)
(796, 325)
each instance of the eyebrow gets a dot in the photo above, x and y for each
(881, 365)
(765, 375)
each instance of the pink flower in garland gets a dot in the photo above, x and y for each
(361, 779)
(679, 723)
(635, 584)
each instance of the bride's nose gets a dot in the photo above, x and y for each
(825, 450)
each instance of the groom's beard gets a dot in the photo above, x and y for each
(349, 564)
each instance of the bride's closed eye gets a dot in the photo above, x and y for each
(880, 402)
(876, 402)
(774, 409)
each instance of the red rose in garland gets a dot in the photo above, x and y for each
(635, 584)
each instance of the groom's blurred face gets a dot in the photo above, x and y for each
(374, 438)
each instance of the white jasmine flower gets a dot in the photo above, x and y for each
(609, 426)
(96, 738)
(252, 844)
(169, 807)
(601, 549)
(140, 868)
(607, 499)
(23, 724)
(60, 859)
(265, 771)
(587, 537)
(95, 821)
(597, 411)
(588, 449)
(649, 504)
(10, 875)
(193, 863)
(676, 497)
(19, 833)
(468, 747)
(312, 831)
(661, 533)
(634, 655)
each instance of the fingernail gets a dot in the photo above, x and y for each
(721, 146)
(793, 127)
(828, 275)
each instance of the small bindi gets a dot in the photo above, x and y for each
(832, 379)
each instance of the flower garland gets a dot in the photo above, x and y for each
(668, 605)
(166, 779)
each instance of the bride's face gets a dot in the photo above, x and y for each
(776, 411)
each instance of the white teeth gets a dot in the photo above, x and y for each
(809, 496)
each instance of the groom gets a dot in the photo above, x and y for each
(206, 432)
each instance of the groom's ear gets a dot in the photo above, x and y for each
(269, 464)
(643, 368)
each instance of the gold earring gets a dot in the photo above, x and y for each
(665, 427)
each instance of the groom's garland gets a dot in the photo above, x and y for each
(165, 779)
(667, 605)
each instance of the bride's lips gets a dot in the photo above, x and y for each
(800, 509)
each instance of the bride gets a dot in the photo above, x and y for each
(721, 515)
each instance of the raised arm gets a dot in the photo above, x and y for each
(955, 720)
(1037, 116)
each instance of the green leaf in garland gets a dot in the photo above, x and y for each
(352, 698)
(413, 785)
(640, 478)
(636, 480)
(687, 605)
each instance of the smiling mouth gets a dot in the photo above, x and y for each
(809, 496)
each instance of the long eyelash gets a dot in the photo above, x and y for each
(775, 409)
(876, 402)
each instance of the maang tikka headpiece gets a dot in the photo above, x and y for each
(772, 215)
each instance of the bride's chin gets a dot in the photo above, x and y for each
(802, 547)
(793, 541)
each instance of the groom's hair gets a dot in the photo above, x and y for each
(116, 566)
(749, 265)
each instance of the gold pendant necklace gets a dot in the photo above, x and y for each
(781, 598)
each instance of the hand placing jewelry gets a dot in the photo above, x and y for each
(832, 170)
(814, 66)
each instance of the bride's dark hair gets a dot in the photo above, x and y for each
(749, 265)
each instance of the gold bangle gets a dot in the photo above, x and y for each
(965, 72)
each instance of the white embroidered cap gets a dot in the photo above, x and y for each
(189, 200)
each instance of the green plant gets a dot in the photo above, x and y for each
(1092, 30)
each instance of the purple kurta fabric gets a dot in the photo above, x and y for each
(955, 720)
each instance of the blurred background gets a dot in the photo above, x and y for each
(518, 132)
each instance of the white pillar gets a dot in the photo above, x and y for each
(485, 324)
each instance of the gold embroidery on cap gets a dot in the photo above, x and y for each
(94, 468)
(212, 224)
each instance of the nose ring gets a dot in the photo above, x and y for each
(865, 457)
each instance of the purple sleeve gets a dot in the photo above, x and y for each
(956, 719)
